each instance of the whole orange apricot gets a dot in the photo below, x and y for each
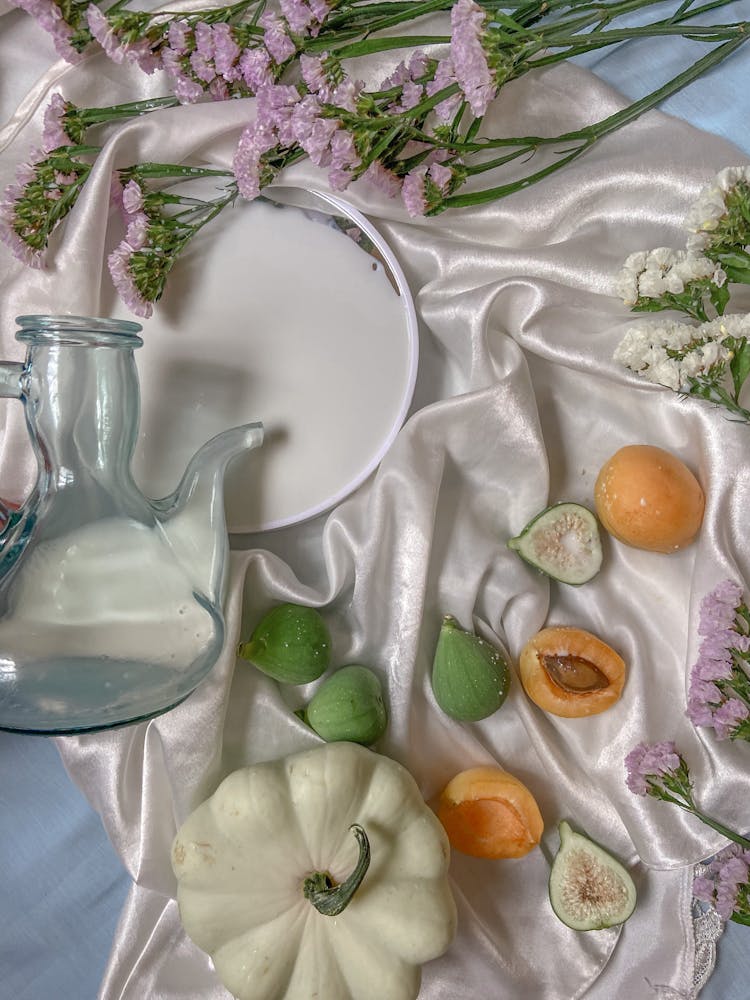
(648, 498)
(488, 813)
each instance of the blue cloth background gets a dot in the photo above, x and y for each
(61, 884)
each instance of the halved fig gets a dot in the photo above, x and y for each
(563, 542)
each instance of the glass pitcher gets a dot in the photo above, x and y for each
(111, 604)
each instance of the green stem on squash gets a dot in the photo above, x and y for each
(330, 899)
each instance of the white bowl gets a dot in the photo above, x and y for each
(293, 311)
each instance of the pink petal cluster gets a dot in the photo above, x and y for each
(711, 700)
(285, 118)
(8, 235)
(725, 882)
(468, 56)
(51, 18)
(329, 86)
(649, 764)
(209, 58)
(120, 268)
(383, 179)
(444, 76)
(54, 133)
(424, 186)
(138, 52)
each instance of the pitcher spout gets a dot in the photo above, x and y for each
(193, 518)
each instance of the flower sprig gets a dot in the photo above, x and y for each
(660, 771)
(48, 185)
(719, 697)
(420, 133)
(708, 357)
(724, 883)
(45, 191)
(719, 694)
(159, 225)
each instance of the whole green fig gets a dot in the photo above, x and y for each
(291, 643)
(470, 677)
(348, 705)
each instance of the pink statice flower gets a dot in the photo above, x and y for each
(30, 256)
(383, 179)
(344, 159)
(725, 883)
(314, 72)
(247, 165)
(320, 9)
(425, 186)
(103, 32)
(55, 133)
(226, 53)
(30, 209)
(202, 66)
(132, 198)
(655, 768)
(50, 17)
(413, 191)
(180, 37)
(297, 15)
(719, 693)
(346, 94)
(187, 90)
(137, 231)
(120, 263)
(468, 55)
(276, 37)
(444, 76)
(138, 51)
(255, 67)
(411, 95)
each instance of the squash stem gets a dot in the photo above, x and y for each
(330, 899)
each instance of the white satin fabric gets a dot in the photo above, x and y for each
(517, 404)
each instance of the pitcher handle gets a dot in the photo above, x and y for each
(10, 387)
(10, 379)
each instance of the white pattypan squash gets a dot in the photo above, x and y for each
(245, 858)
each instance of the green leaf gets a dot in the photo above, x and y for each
(719, 297)
(740, 365)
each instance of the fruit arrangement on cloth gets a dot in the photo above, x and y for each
(325, 873)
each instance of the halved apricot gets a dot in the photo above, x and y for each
(488, 813)
(570, 672)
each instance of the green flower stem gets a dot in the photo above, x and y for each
(99, 116)
(577, 45)
(323, 43)
(592, 133)
(718, 395)
(720, 828)
(161, 170)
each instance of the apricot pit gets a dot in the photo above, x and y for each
(570, 672)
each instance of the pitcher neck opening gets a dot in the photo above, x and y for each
(81, 331)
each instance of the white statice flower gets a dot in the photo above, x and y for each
(706, 213)
(666, 372)
(728, 178)
(670, 353)
(735, 325)
(627, 282)
(650, 274)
